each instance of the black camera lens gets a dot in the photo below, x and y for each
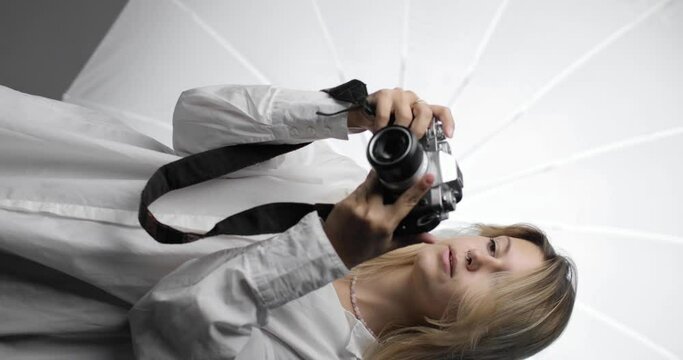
(395, 153)
(391, 147)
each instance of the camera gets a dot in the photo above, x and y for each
(400, 160)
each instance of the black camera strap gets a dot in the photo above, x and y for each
(207, 165)
(264, 219)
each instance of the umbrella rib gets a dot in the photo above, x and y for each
(129, 114)
(626, 330)
(328, 40)
(591, 229)
(481, 48)
(617, 231)
(565, 73)
(223, 42)
(583, 155)
(405, 38)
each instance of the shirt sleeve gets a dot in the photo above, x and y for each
(214, 307)
(210, 117)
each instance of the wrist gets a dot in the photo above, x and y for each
(357, 119)
(345, 254)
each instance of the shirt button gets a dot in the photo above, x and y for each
(327, 131)
(311, 131)
(294, 132)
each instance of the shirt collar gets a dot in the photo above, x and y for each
(360, 340)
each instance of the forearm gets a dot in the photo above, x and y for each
(210, 117)
(232, 290)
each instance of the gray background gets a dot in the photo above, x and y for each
(44, 43)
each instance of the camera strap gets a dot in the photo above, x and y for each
(207, 165)
(196, 168)
(354, 92)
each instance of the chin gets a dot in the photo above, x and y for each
(427, 267)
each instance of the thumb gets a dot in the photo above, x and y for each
(405, 240)
(367, 186)
(407, 201)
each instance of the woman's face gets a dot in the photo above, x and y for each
(452, 266)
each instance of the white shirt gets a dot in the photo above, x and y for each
(263, 301)
(70, 180)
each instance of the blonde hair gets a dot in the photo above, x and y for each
(518, 315)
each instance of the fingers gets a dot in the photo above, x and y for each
(408, 112)
(407, 201)
(397, 102)
(383, 109)
(404, 240)
(403, 101)
(423, 117)
(444, 114)
(426, 238)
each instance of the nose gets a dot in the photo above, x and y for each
(480, 260)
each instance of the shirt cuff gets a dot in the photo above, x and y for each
(304, 261)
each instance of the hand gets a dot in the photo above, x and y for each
(360, 227)
(408, 111)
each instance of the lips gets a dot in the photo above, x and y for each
(452, 260)
(448, 260)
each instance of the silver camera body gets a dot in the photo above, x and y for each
(400, 160)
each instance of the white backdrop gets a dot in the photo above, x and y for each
(569, 115)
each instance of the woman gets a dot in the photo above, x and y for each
(501, 294)
(509, 296)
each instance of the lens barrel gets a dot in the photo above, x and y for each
(395, 153)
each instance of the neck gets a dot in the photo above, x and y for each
(383, 300)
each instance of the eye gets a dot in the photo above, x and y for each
(492, 247)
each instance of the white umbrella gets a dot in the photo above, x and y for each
(569, 115)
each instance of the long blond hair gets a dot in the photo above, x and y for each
(518, 316)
